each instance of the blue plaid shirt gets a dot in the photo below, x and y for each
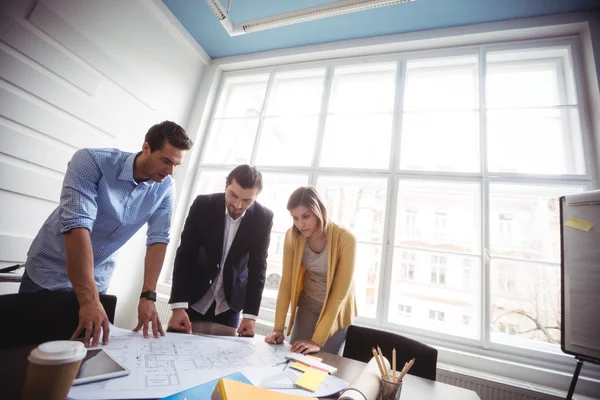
(99, 194)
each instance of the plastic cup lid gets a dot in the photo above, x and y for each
(58, 352)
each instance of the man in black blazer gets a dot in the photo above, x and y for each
(222, 258)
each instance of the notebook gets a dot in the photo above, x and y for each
(204, 391)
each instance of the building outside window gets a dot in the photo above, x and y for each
(437, 315)
(407, 271)
(506, 278)
(438, 269)
(404, 310)
(466, 283)
(466, 320)
(509, 329)
(441, 220)
(410, 222)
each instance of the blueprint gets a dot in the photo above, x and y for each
(175, 362)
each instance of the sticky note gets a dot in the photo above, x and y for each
(303, 367)
(299, 366)
(311, 379)
(580, 224)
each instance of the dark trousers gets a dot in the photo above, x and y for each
(229, 317)
(29, 286)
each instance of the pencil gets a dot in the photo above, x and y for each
(405, 369)
(377, 361)
(394, 362)
(382, 363)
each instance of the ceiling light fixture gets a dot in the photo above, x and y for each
(217, 9)
(295, 17)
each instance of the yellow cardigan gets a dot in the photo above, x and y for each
(339, 306)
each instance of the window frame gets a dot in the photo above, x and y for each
(482, 346)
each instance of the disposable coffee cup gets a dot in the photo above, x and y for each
(52, 369)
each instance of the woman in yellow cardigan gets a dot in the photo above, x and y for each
(318, 265)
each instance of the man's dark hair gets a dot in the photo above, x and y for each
(170, 132)
(246, 176)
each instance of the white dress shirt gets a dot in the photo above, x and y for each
(217, 291)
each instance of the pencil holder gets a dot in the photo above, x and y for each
(390, 389)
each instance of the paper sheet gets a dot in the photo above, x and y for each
(176, 362)
(367, 384)
(331, 385)
(584, 302)
(581, 278)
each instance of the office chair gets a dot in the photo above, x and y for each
(34, 318)
(360, 340)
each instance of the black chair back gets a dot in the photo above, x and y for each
(360, 340)
(34, 318)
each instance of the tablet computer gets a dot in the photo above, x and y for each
(98, 365)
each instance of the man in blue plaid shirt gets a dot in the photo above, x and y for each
(107, 196)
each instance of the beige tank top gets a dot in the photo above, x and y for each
(315, 278)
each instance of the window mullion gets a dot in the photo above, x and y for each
(261, 117)
(327, 83)
(387, 264)
(485, 286)
(589, 156)
(565, 115)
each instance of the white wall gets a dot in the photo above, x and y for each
(75, 74)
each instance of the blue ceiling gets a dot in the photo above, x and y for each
(197, 17)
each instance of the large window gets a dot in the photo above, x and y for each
(447, 169)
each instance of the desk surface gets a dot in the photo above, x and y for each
(14, 366)
(414, 388)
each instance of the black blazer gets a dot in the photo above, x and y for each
(199, 254)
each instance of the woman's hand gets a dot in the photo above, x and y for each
(275, 337)
(305, 347)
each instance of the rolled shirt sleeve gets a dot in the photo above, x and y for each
(159, 223)
(78, 198)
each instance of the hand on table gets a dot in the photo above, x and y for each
(305, 347)
(247, 327)
(275, 337)
(147, 313)
(92, 319)
(180, 321)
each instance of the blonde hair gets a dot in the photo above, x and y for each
(308, 197)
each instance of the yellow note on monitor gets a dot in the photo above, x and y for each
(580, 224)
(311, 379)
